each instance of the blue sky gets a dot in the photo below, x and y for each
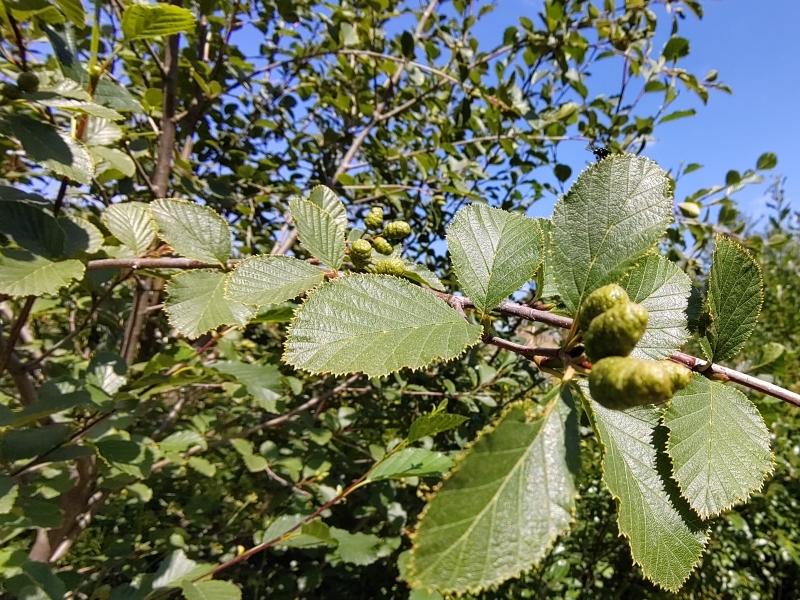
(755, 45)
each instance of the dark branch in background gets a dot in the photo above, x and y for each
(13, 336)
(282, 246)
(166, 140)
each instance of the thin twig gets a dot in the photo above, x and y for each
(13, 335)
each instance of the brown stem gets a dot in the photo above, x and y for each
(16, 329)
(166, 141)
(748, 381)
(509, 309)
(149, 263)
(269, 543)
(521, 349)
(23, 58)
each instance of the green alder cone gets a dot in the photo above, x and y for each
(601, 300)
(616, 331)
(389, 266)
(361, 250)
(620, 382)
(28, 82)
(382, 246)
(374, 218)
(397, 230)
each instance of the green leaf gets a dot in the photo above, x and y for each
(25, 274)
(8, 494)
(767, 161)
(27, 443)
(309, 535)
(436, 422)
(356, 548)
(546, 279)
(735, 295)
(666, 539)
(411, 462)
(107, 371)
(211, 590)
(82, 236)
(132, 224)
(494, 252)
(175, 567)
(678, 114)
(263, 381)
(375, 325)
(194, 231)
(111, 158)
(202, 466)
(113, 95)
(422, 275)
(59, 152)
(319, 232)
(101, 132)
(719, 445)
(253, 462)
(155, 20)
(180, 441)
(263, 280)
(73, 10)
(32, 228)
(675, 48)
(327, 200)
(770, 352)
(614, 213)
(663, 289)
(196, 303)
(507, 500)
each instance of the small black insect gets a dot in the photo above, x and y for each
(600, 152)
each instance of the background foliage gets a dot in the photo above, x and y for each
(186, 452)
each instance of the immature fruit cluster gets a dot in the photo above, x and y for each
(382, 246)
(374, 218)
(28, 82)
(620, 382)
(397, 230)
(360, 253)
(389, 266)
(612, 326)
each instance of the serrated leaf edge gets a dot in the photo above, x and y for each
(532, 412)
(618, 501)
(767, 474)
(437, 360)
(208, 209)
(228, 275)
(749, 256)
(186, 274)
(627, 266)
